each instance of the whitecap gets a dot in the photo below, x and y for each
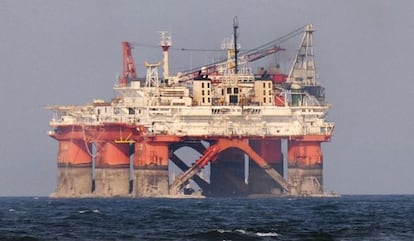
(270, 234)
(12, 210)
(82, 211)
(96, 211)
(241, 231)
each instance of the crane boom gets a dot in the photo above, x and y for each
(214, 67)
(262, 53)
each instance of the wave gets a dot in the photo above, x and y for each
(89, 211)
(234, 234)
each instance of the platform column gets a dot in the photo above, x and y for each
(74, 169)
(259, 181)
(151, 169)
(227, 177)
(305, 164)
(111, 169)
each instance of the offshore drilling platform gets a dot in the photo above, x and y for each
(234, 119)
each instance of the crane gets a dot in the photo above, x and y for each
(128, 64)
(129, 70)
(245, 57)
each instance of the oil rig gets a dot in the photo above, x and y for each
(254, 133)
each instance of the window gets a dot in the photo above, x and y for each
(264, 100)
(264, 92)
(264, 85)
(270, 92)
(208, 92)
(203, 100)
(228, 90)
(233, 99)
(202, 92)
(208, 85)
(270, 85)
(202, 85)
(236, 90)
(222, 91)
(208, 100)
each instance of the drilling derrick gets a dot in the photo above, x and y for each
(303, 70)
(234, 121)
(302, 75)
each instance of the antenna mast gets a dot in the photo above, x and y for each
(236, 51)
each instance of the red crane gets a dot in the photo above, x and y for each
(128, 68)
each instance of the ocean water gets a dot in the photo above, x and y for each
(342, 218)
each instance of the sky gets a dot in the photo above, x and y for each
(69, 52)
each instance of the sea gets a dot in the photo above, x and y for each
(354, 217)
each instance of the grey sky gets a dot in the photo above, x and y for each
(68, 52)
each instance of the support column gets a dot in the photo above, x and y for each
(112, 169)
(305, 164)
(74, 177)
(151, 169)
(259, 181)
(227, 174)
